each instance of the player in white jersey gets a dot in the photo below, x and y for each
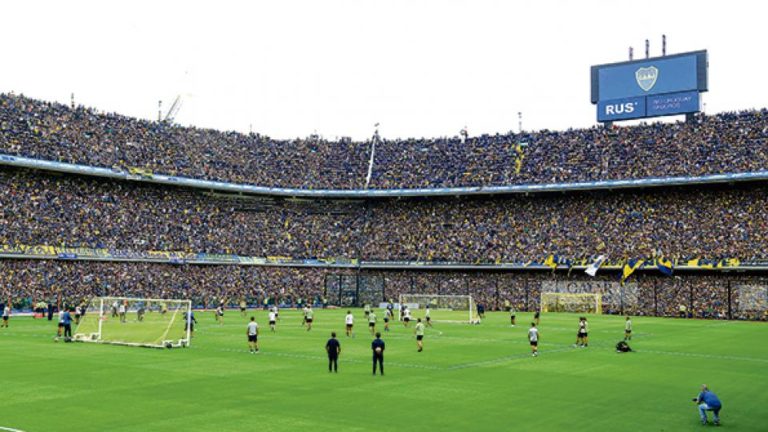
(427, 318)
(220, 314)
(628, 329)
(276, 311)
(6, 316)
(272, 320)
(253, 336)
(533, 338)
(406, 316)
(304, 317)
(372, 322)
(349, 320)
(388, 315)
(243, 307)
(121, 311)
(61, 324)
(580, 333)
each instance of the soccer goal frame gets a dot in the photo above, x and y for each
(437, 303)
(102, 306)
(569, 302)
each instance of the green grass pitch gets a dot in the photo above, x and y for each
(469, 378)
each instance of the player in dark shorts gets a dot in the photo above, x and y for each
(252, 330)
(533, 338)
(309, 317)
(377, 346)
(333, 348)
(243, 307)
(536, 317)
(512, 316)
(60, 330)
(6, 315)
(628, 329)
(419, 330)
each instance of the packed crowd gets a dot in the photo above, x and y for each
(44, 209)
(85, 212)
(57, 132)
(72, 282)
(723, 143)
(69, 283)
(683, 223)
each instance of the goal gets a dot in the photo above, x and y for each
(156, 323)
(443, 308)
(565, 302)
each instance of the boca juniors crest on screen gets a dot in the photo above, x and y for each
(650, 87)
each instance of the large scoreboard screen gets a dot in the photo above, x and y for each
(651, 87)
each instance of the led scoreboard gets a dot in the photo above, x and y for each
(651, 87)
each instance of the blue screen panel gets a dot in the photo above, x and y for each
(674, 103)
(648, 77)
(621, 109)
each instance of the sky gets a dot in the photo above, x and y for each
(290, 68)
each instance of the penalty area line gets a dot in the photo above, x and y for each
(3, 428)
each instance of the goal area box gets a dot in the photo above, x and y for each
(143, 322)
(443, 308)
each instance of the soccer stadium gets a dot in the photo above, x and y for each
(164, 273)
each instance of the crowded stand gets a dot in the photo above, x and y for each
(722, 143)
(684, 223)
(60, 284)
(52, 131)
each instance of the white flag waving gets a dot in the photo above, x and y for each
(592, 269)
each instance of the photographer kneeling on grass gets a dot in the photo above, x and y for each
(708, 401)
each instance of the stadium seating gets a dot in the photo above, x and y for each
(723, 143)
(69, 283)
(40, 208)
(683, 223)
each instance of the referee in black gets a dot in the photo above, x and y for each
(377, 346)
(333, 347)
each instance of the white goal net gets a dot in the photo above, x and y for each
(567, 302)
(442, 308)
(158, 323)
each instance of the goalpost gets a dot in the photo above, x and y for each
(443, 308)
(566, 302)
(144, 322)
